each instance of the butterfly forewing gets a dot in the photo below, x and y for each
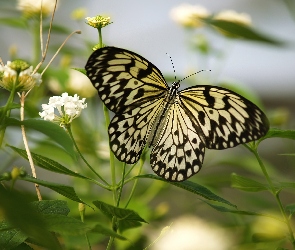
(179, 152)
(124, 79)
(226, 119)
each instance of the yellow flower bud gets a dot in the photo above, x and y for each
(98, 21)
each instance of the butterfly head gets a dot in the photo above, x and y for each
(173, 90)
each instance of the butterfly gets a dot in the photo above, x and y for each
(178, 125)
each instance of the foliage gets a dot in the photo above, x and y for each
(104, 202)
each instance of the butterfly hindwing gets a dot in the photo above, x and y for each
(129, 131)
(123, 78)
(225, 118)
(179, 151)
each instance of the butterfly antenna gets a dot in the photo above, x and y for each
(172, 65)
(195, 74)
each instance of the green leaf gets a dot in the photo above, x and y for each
(191, 187)
(21, 215)
(64, 190)
(247, 184)
(51, 207)
(264, 237)
(23, 246)
(58, 29)
(240, 31)
(128, 224)
(13, 22)
(119, 213)
(52, 130)
(65, 225)
(282, 185)
(236, 211)
(291, 208)
(83, 71)
(106, 231)
(10, 237)
(275, 132)
(48, 164)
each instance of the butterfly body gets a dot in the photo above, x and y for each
(178, 125)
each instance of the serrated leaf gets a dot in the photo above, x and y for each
(10, 237)
(264, 237)
(51, 207)
(64, 190)
(240, 31)
(106, 231)
(119, 213)
(191, 187)
(21, 215)
(52, 130)
(247, 184)
(65, 225)
(48, 164)
(275, 132)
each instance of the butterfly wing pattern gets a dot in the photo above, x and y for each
(178, 125)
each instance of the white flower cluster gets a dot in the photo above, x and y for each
(18, 75)
(68, 107)
(33, 8)
(234, 17)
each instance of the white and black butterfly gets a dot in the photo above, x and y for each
(178, 125)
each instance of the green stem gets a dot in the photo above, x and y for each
(113, 174)
(6, 113)
(99, 37)
(122, 184)
(142, 160)
(275, 192)
(82, 157)
(112, 159)
(36, 42)
(82, 216)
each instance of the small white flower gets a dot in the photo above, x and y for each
(193, 233)
(189, 15)
(33, 8)
(234, 17)
(80, 84)
(68, 107)
(18, 75)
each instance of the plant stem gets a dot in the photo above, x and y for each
(135, 182)
(275, 192)
(113, 174)
(122, 184)
(112, 159)
(99, 38)
(33, 169)
(36, 42)
(6, 113)
(82, 157)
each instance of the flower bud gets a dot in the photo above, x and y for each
(98, 21)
